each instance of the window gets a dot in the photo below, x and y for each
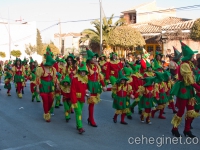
(132, 18)
(149, 48)
(158, 48)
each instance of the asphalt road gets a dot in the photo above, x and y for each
(22, 128)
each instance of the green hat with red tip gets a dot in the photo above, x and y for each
(187, 52)
(49, 59)
(149, 81)
(121, 77)
(24, 61)
(159, 53)
(66, 79)
(82, 67)
(62, 61)
(90, 54)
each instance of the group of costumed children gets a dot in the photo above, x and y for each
(148, 84)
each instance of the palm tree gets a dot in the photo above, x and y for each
(93, 35)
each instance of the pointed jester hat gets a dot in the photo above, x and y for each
(49, 60)
(121, 77)
(187, 52)
(90, 54)
(177, 54)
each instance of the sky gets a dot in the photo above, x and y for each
(47, 13)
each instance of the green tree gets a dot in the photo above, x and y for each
(195, 31)
(39, 43)
(30, 49)
(2, 54)
(93, 35)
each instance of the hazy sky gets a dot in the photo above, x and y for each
(47, 12)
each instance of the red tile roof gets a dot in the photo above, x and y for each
(187, 25)
(67, 34)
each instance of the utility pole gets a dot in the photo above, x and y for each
(60, 45)
(9, 33)
(101, 51)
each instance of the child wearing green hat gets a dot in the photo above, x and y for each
(148, 72)
(149, 95)
(79, 90)
(65, 92)
(35, 94)
(7, 80)
(161, 88)
(122, 91)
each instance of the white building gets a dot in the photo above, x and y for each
(70, 41)
(20, 35)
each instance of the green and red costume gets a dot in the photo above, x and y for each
(46, 82)
(7, 80)
(183, 89)
(121, 97)
(149, 95)
(33, 87)
(19, 76)
(78, 92)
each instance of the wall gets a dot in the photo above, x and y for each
(176, 43)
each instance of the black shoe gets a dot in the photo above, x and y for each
(16, 90)
(176, 133)
(164, 113)
(93, 125)
(174, 112)
(189, 134)
(56, 106)
(22, 91)
(67, 120)
(129, 117)
(61, 105)
(191, 127)
(115, 120)
(125, 123)
(32, 99)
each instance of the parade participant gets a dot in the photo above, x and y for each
(157, 63)
(19, 73)
(95, 81)
(113, 67)
(149, 95)
(136, 83)
(169, 82)
(32, 78)
(46, 80)
(127, 72)
(103, 64)
(183, 89)
(71, 67)
(173, 65)
(143, 61)
(32, 65)
(55, 65)
(122, 91)
(79, 88)
(161, 87)
(1, 72)
(149, 72)
(62, 68)
(26, 66)
(7, 80)
(65, 92)
(57, 95)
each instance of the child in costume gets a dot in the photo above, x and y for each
(58, 92)
(136, 83)
(65, 92)
(161, 88)
(46, 81)
(61, 68)
(79, 90)
(148, 72)
(103, 64)
(149, 95)
(170, 83)
(7, 80)
(127, 72)
(35, 94)
(157, 64)
(122, 91)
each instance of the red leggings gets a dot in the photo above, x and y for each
(47, 101)
(19, 87)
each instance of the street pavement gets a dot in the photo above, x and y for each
(22, 128)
